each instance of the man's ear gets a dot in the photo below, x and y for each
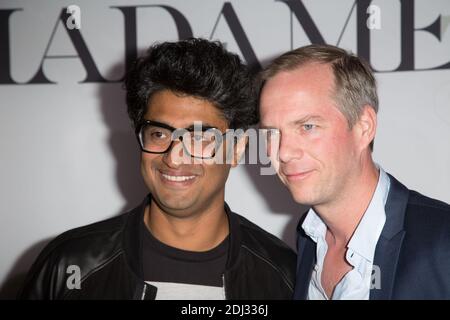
(239, 149)
(367, 126)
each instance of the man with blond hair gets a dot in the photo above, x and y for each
(366, 236)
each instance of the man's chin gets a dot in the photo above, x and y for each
(179, 208)
(302, 197)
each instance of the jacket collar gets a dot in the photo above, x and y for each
(387, 252)
(306, 249)
(235, 238)
(132, 238)
(395, 209)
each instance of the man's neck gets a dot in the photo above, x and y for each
(343, 215)
(198, 232)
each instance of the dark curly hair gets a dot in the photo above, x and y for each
(195, 67)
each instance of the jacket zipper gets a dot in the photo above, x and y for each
(224, 289)
(143, 292)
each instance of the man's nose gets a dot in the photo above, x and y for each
(290, 148)
(176, 155)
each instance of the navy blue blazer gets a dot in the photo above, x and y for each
(413, 252)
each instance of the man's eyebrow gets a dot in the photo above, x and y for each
(205, 126)
(263, 126)
(295, 122)
(306, 119)
(158, 122)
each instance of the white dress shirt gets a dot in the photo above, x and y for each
(356, 284)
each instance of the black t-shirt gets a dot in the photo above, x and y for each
(181, 274)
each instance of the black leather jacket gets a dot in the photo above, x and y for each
(108, 254)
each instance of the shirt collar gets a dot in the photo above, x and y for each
(365, 238)
(366, 235)
(314, 226)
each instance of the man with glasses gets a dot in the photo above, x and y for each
(366, 236)
(183, 241)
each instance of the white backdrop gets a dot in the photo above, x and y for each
(67, 152)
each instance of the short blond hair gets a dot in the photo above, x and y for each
(355, 84)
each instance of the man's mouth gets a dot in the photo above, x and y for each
(298, 175)
(177, 178)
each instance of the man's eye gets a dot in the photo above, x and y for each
(308, 127)
(158, 135)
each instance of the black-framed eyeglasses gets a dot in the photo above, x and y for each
(157, 137)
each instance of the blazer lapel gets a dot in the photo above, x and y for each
(389, 245)
(305, 263)
(385, 267)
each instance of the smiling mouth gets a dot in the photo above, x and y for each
(177, 178)
(298, 176)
